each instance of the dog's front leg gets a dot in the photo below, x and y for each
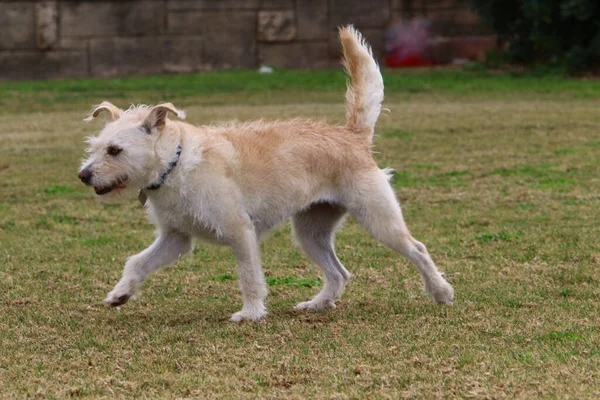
(252, 280)
(166, 249)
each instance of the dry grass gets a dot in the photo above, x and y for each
(504, 191)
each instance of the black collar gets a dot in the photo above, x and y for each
(158, 183)
(142, 197)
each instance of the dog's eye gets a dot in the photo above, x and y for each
(113, 150)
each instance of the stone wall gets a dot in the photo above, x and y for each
(76, 38)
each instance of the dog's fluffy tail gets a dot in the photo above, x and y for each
(365, 91)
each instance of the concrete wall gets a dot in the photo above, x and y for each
(76, 38)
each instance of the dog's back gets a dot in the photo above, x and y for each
(303, 159)
(282, 166)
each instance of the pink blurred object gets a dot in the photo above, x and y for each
(406, 44)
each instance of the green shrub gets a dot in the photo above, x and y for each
(560, 33)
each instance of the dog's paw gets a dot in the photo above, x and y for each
(249, 314)
(117, 298)
(443, 293)
(316, 305)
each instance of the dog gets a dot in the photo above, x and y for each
(231, 184)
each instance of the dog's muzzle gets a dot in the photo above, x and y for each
(86, 177)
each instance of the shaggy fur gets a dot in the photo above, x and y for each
(233, 183)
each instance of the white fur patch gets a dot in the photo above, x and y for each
(389, 173)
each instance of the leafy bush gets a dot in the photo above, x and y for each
(563, 33)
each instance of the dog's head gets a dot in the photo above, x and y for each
(130, 152)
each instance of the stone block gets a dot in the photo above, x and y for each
(212, 4)
(445, 50)
(461, 15)
(126, 56)
(99, 18)
(216, 24)
(72, 43)
(183, 54)
(276, 26)
(473, 47)
(446, 5)
(46, 29)
(368, 14)
(17, 25)
(184, 22)
(405, 15)
(461, 22)
(410, 5)
(34, 64)
(277, 4)
(441, 50)
(229, 37)
(295, 55)
(311, 19)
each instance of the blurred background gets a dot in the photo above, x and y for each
(58, 39)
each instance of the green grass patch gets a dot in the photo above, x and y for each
(293, 281)
(562, 337)
(426, 166)
(398, 134)
(405, 179)
(561, 152)
(502, 236)
(59, 189)
(248, 86)
(64, 219)
(543, 176)
(225, 277)
(528, 206)
(99, 241)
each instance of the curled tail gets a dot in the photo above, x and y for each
(365, 91)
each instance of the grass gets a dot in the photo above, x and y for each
(248, 87)
(497, 174)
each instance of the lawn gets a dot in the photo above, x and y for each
(499, 175)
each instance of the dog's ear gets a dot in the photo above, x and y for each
(113, 112)
(158, 115)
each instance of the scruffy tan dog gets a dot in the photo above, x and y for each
(231, 184)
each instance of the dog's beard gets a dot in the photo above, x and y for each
(117, 191)
(118, 184)
(118, 196)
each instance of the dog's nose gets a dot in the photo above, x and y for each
(85, 175)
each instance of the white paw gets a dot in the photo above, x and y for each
(443, 293)
(316, 305)
(249, 314)
(119, 295)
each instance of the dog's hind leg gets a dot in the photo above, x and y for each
(166, 249)
(314, 229)
(373, 203)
